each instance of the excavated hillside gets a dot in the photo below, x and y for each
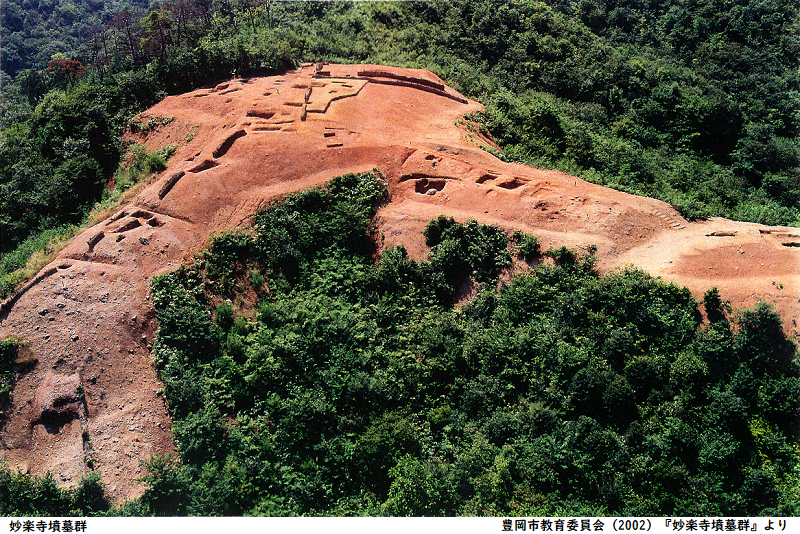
(87, 318)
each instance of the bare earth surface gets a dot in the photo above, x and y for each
(87, 317)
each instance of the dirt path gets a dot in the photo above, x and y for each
(89, 322)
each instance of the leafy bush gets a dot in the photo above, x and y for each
(528, 247)
(468, 249)
(27, 495)
(357, 390)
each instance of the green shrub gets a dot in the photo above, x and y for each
(528, 247)
(358, 380)
(28, 495)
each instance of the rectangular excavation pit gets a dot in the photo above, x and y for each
(204, 165)
(400, 77)
(261, 113)
(130, 225)
(117, 216)
(510, 184)
(226, 145)
(95, 239)
(266, 128)
(139, 214)
(169, 184)
(425, 185)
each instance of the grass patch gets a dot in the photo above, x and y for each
(22, 263)
(138, 164)
(138, 168)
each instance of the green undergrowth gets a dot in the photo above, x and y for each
(351, 384)
(137, 164)
(26, 495)
(309, 373)
(692, 103)
(22, 263)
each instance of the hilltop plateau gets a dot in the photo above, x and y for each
(87, 317)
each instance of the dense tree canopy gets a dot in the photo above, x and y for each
(559, 391)
(307, 374)
(356, 387)
(692, 102)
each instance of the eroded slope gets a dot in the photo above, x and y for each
(87, 318)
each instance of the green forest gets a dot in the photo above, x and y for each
(695, 102)
(557, 392)
(354, 386)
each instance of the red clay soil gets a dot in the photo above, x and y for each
(88, 320)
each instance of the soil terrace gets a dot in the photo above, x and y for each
(87, 316)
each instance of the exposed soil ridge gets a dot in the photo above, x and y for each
(87, 316)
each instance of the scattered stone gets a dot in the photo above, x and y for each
(43, 311)
(75, 337)
(61, 305)
(144, 241)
